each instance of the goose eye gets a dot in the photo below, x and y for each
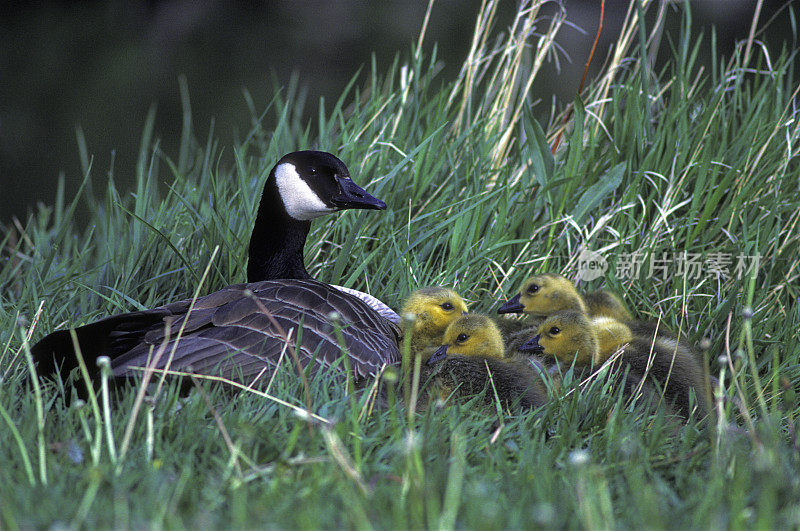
(533, 288)
(446, 306)
(461, 338)
(554, 331)
(312, 170)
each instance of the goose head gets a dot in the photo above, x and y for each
(302, 186)
(543, 295)
(433, 308)
(566, 336)
(314, 183)
(471, 335)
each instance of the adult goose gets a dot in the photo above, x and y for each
(240, 332)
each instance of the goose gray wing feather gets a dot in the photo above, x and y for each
(229, 333)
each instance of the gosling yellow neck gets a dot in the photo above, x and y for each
(611, 335)
(567, 336)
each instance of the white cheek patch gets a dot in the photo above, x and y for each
(298, 198)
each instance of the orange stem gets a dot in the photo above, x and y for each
(585, 71)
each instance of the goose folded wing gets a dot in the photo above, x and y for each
(241, 332)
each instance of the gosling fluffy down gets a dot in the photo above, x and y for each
(571, 337)
(472, 358)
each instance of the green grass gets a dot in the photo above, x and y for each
(686, 159)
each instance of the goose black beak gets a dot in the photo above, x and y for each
(532, 346)
(512, 306)
(439, 355)
(353, 196)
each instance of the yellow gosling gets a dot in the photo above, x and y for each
(472, 358)
(474, 335)
(668, 362)
(603, 303)
(567, 336)
(548, 293)
(433, 308)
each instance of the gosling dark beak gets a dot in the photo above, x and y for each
(532, 346)
(439, 355)
(353, 196)
(512, 306)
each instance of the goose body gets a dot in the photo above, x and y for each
(373, 302)
(233, 332)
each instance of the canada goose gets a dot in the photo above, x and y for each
(570, 336)
(231, 332)
(473, 352)
(547, 293)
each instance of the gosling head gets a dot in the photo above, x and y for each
(433, 309)
(543, 295)
(471, 335)
(567, 336)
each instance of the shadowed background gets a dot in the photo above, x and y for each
(94, 69)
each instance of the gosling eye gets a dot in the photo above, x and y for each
(447, 306)
(554, 331)
(533, 288)
(461, 338)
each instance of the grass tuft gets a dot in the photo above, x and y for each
(683, 179)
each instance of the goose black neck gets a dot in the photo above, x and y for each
(276, 245)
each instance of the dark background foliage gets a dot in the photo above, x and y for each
(95, 68)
